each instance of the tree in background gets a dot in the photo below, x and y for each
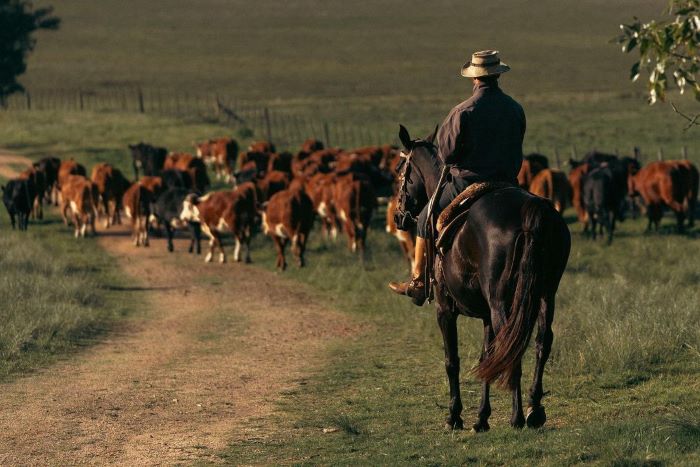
(18, 21)
(670, 46)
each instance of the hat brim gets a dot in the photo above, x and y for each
(470, 71)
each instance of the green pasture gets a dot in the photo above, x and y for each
(59, 294)
(622, 377)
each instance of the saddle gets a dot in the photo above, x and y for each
(454, 215)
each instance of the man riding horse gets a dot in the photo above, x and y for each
(481, 139)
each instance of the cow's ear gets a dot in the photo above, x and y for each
(431, 138)
(405, 138)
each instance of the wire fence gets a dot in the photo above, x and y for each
(286, 126)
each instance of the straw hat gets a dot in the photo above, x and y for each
(484, 63)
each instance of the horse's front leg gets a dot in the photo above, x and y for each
(482, 424)
(447, 320)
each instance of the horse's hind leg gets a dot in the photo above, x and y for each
(482, 424)
(536, 415)
(447, 320)
(517, 419)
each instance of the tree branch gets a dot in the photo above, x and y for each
(692, 121)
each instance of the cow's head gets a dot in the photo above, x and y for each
(190, 211)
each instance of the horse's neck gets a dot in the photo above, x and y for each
(430, 167)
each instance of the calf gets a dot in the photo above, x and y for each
(167, 210)
(18, 197)
(662, 183)
(600, 200)
(407, 239)
(137, 206)
(553, 185)
(78, 196)
(37, 179)
(354, 201)
(289, 215)
(148, 158)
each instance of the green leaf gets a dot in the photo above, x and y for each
(634, 72)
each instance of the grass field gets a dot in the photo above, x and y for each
(59, 294)
(624, 371)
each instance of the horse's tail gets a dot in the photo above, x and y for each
(526, 274)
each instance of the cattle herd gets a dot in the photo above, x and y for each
(281, 193)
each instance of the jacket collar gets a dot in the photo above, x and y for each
(480, 87)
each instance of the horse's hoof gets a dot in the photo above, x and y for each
(454, 423)
(536, 416)
(480, 427)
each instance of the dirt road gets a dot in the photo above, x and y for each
(202, 366)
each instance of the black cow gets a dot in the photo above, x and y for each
(167, 210)
(620, 168)
(147, 157)
(601, 200)
(173, 178)
(49, 166)
(18, 196)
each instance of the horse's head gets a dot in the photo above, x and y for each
(417, 162)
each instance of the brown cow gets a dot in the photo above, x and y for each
(661, 183)
(186, 162)
(111, 184)
(354, 201)
(69, 167)
(553, 185)
(691, 179)
(152, 184)
(37, 178)
(320, 188)
(273, 182)
(137, 206)
(289, 215)
(281, 161)
(262, 146)
(532, 165)
(407, 240)
(222, 211)
(576, 176)
(77, 196)
(221, 153)
(49, 166)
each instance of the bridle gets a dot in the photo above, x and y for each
(404, 218)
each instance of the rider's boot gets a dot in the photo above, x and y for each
(414, 288)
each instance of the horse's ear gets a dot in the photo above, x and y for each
(405, 138)
(431, 138)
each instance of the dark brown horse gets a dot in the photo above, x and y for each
(503, 267)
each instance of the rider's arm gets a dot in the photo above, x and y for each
(450, 139)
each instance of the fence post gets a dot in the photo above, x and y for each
(140, 96)
(684, 153)
(268, 127)
(660, 154)
(556, 157)
(29, 100)
(80, 99)
(326, 134)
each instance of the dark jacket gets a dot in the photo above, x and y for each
(483, 136)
